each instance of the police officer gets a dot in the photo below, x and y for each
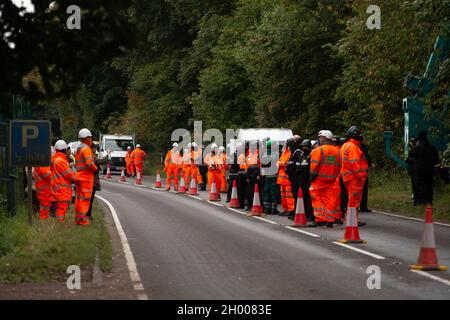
(237, 173)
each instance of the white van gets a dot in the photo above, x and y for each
(114, 146)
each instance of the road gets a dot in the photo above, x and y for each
(189, 248)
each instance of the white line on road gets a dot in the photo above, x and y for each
(232, 209)
(409, 218)
(304, 232)
(124, 182)
(370, 254)
(425, 274)
(215, 203)
(269, 221)
(131, 263)
(198, 198)
(140, 185)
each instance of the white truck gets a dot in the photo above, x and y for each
(114, 146)
(278, 135)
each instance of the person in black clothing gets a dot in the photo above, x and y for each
(203, 168)
(236, 173)
(253, 174)
(424, 156)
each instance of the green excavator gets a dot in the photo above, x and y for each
(416, 119)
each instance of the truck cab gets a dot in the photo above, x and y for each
(114, 146)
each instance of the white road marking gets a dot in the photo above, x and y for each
(232, 209)
(215, 203)
(370, 254)
(140, 185)
(131, 263)
(431, 276)
(269, 221)
(303, 231)
(124, 182)
(409, 218)
(195, 197)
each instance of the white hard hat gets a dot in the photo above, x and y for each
(326, 134)
(194, 144)
(221, 148)
(213, 146)
(84, 133)
(138, 146)
(189, 145)
(129, 148)
(60, 145)
(175, 144)
(240, 145)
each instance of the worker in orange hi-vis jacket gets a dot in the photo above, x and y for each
(172, 165)
(185, 165)
(129, 162)
(214, 162)
(196, 159)
(287, 198)
(61, 180)
(138, 156)
(224, 168)
(84, 177)
(354, 167)
(42, 182)
(324, 171)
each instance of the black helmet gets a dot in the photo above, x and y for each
(290, 143)
(306, 144)
(355, 132)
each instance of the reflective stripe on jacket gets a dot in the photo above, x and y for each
(61, 178)
(326, 162)
(354, 162)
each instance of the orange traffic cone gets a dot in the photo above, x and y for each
(351, 227)
(138, 177)
(234, 202)
(213, 195)
(122, 175)
(300, 216)
(428, 257)
(158, 183)
(193, 187)
(108, 171)
(256, 208)
(182, 185)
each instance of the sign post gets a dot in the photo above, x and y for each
(30, 146)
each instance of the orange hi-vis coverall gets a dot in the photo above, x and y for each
(194, 171)
(325, 167)
(354, 171)
(172, 165)
(138, 160)
(61, 184)
(129, 163)
(84, 182)
(215, 164)
(287, 198)
(42, 181)
(337, 202)
(223, 174)
(185, 167)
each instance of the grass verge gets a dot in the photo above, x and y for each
(391, 192)
(44, 251)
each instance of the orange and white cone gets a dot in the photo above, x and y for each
(158, 183)
(256, 208)
(182, 185)
(122, 175)
(213, 196)
(351, 227)
(138, 178)
(300, 216)
(108, 171)
(428, 256)
(234, 201)
(193, 187)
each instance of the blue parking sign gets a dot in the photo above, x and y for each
(30, 143)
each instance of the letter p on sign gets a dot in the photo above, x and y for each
(29, 132)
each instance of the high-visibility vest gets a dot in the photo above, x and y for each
(42, 180)
(84, 163)
(354, 162)
(214, 162)
(241, 162)
(138, 156)
(326, 162)
(283, 178)
(252, 159)
(172, 158)
(61, 178)
(128, 158)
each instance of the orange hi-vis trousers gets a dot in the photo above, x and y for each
(61, 210)
(287, 198)
(323, 196)
(192, 171)
(83, 196)
(139, 168)
(354, 189)
(172, 172)
(216, 175)
(223, 181)
(44, 206)
(337, 200)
